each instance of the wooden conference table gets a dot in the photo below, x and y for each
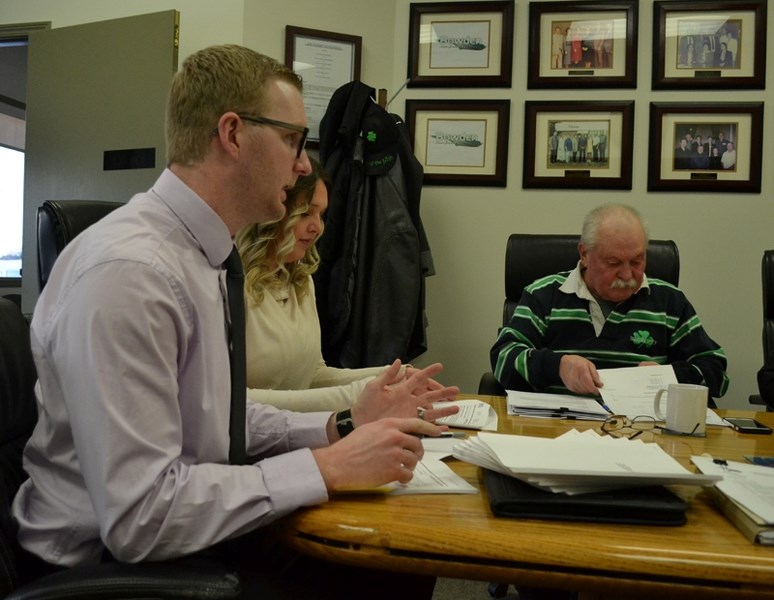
(457, 535)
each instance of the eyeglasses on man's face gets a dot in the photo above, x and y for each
(301, 140)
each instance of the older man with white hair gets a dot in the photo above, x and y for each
(605, 313)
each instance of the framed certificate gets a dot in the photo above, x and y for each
(325, 61)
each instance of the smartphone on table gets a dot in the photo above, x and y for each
(743, 425)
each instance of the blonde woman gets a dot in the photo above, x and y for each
(285, 366)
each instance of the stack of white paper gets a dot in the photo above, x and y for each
(576, 462)
(556, 406)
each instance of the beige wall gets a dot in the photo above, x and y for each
(721, 236)
(202, 22)
(265, 21)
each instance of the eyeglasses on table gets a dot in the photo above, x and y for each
(621, 426)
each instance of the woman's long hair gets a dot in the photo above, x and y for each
(263, 246)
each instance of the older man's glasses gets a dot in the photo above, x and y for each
(623, 427)
(304, 131)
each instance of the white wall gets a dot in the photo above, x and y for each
(721, 236)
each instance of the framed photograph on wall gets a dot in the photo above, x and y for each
(705, 147)
(582, 145)
(461, 142)
(326, 61)
(583, 44)
(709, 45)
(461, 44)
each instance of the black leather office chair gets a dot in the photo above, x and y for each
(531, 256)
(184, 578)
(59, 221)
(766, 373)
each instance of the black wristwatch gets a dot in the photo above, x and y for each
(344, 424)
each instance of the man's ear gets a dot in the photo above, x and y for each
(226, 132)
(582, 252)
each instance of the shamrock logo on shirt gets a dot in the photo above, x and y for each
(642, 338)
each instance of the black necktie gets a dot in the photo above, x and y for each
(235, 280)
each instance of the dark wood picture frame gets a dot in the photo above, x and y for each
(459, 133)
(596, 45)
(581, 145)
(438, 62)
(673, 166)
(339, 57)
(682, 29)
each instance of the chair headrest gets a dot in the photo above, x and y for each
(58, 222)
(531, 256)
(767, 283)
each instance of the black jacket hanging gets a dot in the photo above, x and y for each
(375, 254)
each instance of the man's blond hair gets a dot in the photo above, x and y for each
(211, 82)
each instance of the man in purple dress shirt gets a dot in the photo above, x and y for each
(129, 460)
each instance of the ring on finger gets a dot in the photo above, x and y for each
(421, 412)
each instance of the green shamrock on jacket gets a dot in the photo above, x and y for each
(642, 338)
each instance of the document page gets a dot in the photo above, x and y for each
(751, 486)
(474, 414)
(630, 391)
(433, 477)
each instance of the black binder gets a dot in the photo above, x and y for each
(655, 505)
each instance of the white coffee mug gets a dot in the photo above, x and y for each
(686, 412)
